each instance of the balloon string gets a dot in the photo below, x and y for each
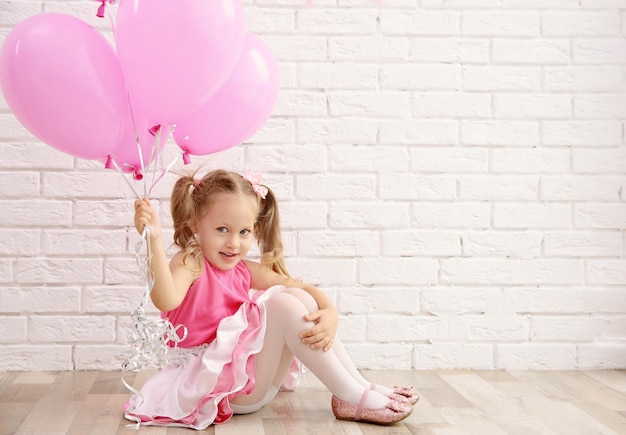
(150, 339)
(119, 170)
(165, 171)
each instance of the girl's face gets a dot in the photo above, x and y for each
(225, 232)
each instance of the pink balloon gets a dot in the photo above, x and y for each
(175, 54)
(238, 109)
(63, 82)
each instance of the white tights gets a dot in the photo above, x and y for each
(285, 321)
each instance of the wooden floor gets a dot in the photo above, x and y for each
(453, 402)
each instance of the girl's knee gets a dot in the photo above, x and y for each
(304, 297)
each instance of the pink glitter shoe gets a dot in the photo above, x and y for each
(402, 394)
(390, 414)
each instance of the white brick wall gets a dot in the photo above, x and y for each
(452, 172)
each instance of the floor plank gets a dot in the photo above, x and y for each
(452, 402)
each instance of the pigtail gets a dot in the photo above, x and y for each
(268, 234)
(183, 210)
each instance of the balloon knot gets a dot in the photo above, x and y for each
(154, 130)
(109, 163)
(100, 13)
(186, 158)
(137, 175)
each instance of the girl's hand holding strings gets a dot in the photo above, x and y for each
(322, 335)
(145, 214)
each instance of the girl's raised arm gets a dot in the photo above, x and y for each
(172, 281)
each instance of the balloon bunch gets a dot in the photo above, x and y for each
(185, 66)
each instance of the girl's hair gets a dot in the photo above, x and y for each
(192, 198)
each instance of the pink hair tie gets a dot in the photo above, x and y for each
(255, 180)
(197, 183)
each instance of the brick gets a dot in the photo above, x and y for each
(100, 357)
(337, 75)
(420, 22)
(498, 78)
(454, 215)
(398, 271)
(598, 51)
(371, 104)
(380, 356)
(366, 48)
(336, 20)
(19, 242)
(301, 103)
(319, 186)
(19, 184)
(582, 244)
(599, 161)
(536, 356)
(420, 132)
(301, 158)
(420, 76)
(35, 212)
(606, 271)
(584, 23)
(386, 328)
(535, 215)
(581, 188)
(534, 105)
(442, 356)
(489, 271)
(84, 242)
(509, 133)
(341, 130)
(552, 300)
(601, 356)
(535, 51)
(62, 299)
(442, 301)
(449, 50)
(493, 23)
(378, 158)
(112, 298)
(530, 160)
(58, 271)
(490, 327)
(408, 187)
(600, 215)
(508, 244)
(368, 214)
(498, 188)
(13, 329)
(365, 300)
(451, 105)
(449, 159)
(577, 328)
(337, 244)
(36, 358)
(71, 329)
(412, 243)
(323, 272)
(583, 78)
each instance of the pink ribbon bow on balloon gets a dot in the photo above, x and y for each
(255, 180)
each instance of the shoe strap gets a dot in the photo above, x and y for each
(360, 407)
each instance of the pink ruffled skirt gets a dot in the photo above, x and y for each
(194, 389)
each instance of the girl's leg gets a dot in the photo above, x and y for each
(338, 348)
(285, 320)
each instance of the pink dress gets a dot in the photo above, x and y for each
(225, 327)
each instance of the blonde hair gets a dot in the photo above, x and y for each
(192, 198)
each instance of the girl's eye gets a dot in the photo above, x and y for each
(245, 232)
(222, 230)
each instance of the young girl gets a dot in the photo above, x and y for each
(240, 347)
